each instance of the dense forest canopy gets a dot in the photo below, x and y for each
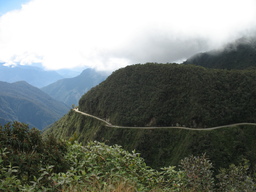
(172, 94)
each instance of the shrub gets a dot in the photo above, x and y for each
(30, 163)
(26, 150)
(198, 173)
(236, 178)
(99, 164)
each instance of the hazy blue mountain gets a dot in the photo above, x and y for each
(69, 73)
(240, 54)
(33, 75)
(70, 90)
(23, 102)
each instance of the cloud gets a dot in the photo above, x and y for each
(107, 35)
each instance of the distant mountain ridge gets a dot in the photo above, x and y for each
(23, 102)
(33, 75)
(70, 90)
(240, 54)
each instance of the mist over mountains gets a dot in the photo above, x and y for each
(240, 54)
(33, 75)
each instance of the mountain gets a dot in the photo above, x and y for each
(163, 94)
(240, 54)
(33, 75)
(70, 90)
(22, 102)
(170, 95)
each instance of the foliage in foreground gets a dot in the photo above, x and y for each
(70, 166)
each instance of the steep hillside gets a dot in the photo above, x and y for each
(70, 90)
(238, 55)
(164, 147)
(170, 94)
(33, 75)
(22, 102)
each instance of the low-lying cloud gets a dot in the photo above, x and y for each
(107, 35)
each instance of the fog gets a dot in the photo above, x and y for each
(107, 35)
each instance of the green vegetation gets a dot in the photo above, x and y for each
(29, 162)
(86, 155)
(170, 94)
(164, 147)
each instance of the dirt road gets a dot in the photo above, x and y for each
(108, 124)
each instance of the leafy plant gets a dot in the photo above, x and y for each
(8, 180)
(26, 150)
(236, 178)
(100, 167)
(198, 173)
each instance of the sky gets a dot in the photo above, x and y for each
(110, 34)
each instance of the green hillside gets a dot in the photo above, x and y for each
(171, 94)
(164, 147)
(164, 95)
(240, 54)
(22, 102)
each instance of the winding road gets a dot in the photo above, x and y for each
(108, 124)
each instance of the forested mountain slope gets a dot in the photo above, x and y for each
(22, 102)
(70, 90)
(170, 94)
(240, 54)
(164, 95)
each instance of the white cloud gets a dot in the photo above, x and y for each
(108, 34)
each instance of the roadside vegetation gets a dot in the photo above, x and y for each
(30, 162)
